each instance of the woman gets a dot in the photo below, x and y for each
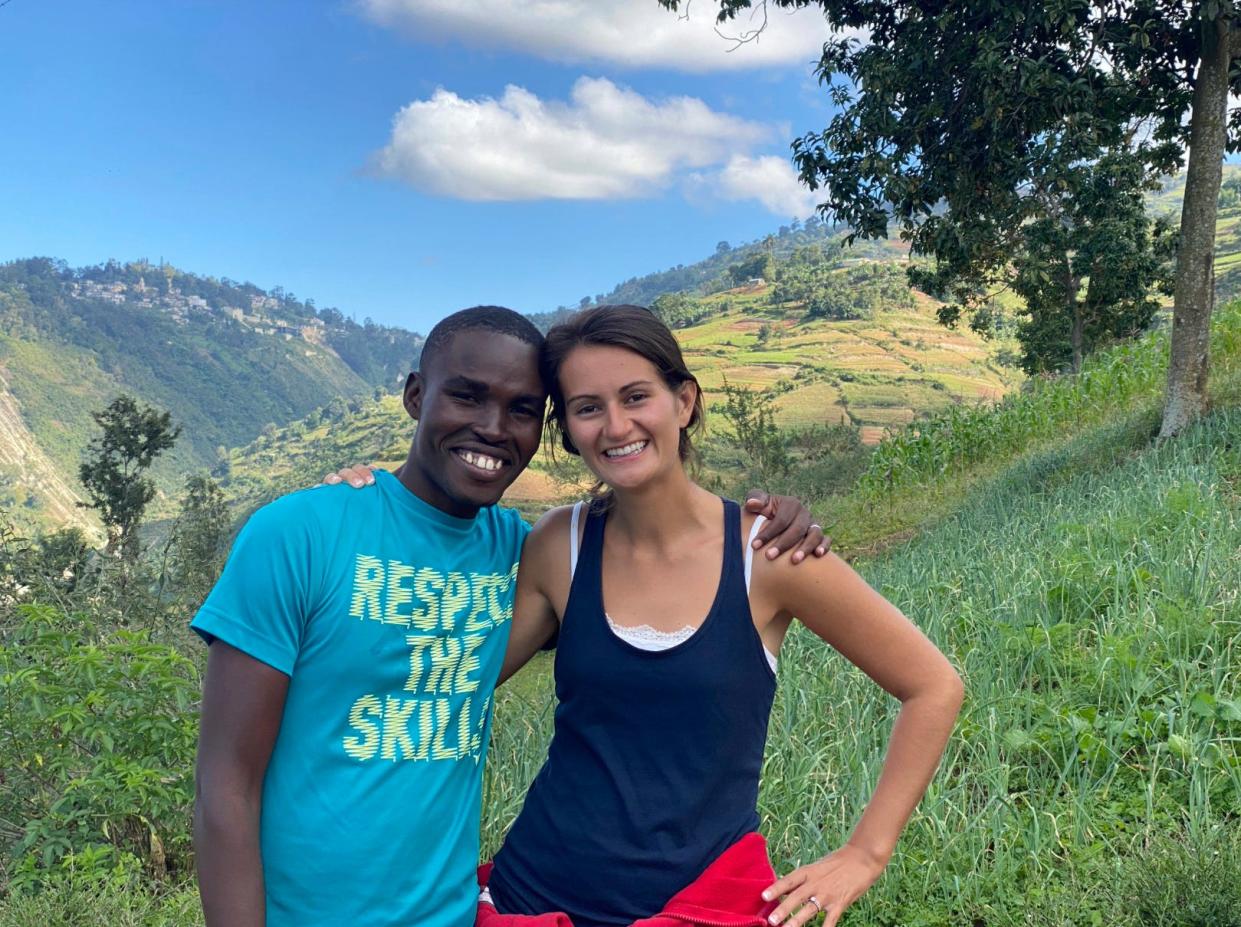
(668, 635)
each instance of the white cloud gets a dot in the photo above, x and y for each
(768, 179)
(607, 142)
(631, 33)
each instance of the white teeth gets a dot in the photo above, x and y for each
(626, 450)
(482, 461)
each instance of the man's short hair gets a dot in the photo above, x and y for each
(488, 318)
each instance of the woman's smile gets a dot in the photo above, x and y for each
(627, 451)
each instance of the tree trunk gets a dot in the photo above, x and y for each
(1071, 286)
(1194, 295)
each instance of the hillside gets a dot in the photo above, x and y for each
(28, 477)
(710, 275)
(226, 359)
(231, 361)
(1167, 202)
(1081, 576)
(877, 374)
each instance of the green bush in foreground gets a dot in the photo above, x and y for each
(99, 738)
(1190, 881)
(93, 902)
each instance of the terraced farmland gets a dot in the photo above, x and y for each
(880, 373)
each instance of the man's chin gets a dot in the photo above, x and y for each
(485, 494)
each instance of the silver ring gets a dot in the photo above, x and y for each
(818, 908)
(813, 526)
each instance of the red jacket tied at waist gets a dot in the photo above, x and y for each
(727, 894)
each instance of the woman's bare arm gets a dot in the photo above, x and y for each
(832, 600)
(542, 582)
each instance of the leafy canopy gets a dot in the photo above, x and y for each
(112, 472)
(961, 123)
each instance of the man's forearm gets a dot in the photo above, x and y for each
(230, 867)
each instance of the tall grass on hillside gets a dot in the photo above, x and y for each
(1096, 619)
(1090, 595)
(1111, 382)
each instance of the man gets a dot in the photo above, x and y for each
(356, 641)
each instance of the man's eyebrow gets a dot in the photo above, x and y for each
(460, 382)
(627, 386)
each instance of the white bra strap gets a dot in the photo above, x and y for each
(574, 542)
(749, 549)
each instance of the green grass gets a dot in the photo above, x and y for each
(1090, 597)
(1089, 593)
(1112, 383)
(112, 905)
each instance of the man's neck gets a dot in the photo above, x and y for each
(415, 481)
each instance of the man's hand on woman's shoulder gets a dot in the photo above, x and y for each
(789, 527)
(357, 476)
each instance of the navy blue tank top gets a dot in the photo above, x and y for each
(654, 763)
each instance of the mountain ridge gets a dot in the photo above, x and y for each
(68, 341)
(226, 359)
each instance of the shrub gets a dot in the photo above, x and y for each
(99, 749)
(1187, 880)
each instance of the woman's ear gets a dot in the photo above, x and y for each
(687, 398)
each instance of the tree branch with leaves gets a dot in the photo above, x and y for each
(959, 122)
(112, 472)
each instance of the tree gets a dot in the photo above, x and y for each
(1086, 270)
(1085, 229)
(112, 471)
(1230, 193)
(956, 118)
(808, 278)
(199, 536)
(1208, 39)
(752, 417)
(677, 310)
(760, 265)
(814, 286)
(224, 460)
(63, 556)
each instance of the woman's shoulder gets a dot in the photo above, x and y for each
(552, 529)
(749, 521)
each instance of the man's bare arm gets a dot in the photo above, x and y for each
(243, 702)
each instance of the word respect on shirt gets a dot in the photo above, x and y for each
(447, 619)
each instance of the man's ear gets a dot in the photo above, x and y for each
(412, 395)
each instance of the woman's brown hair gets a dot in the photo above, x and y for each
(634, 329)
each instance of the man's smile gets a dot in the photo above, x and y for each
(480, 461)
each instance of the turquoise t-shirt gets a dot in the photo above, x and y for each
(390, 619)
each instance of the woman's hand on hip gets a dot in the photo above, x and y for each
(827, 886)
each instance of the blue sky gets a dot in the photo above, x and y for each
(368, 155)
